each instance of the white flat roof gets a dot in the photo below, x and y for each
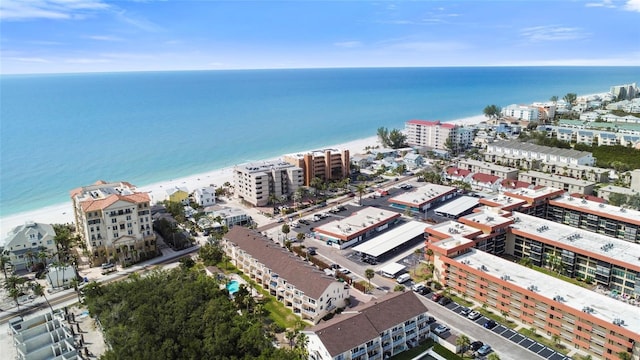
(365, 218)
(533, 193)
(603, 245)
(454, 227)
(458, 206)
(577, 297)
(423, 194)
(601, 209)
(392, 268)
(391, 239)
(505, 200)
(487, 165)
(555, 177)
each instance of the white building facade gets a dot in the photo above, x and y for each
(26, 242)
(205, 196)
(260, 183)
(434, 134)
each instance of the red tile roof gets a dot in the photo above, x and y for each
(457, 171)
(485, 178)
(431, 123)
(99, 204)
(514, 184)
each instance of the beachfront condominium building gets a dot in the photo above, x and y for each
(593, 323)
(268, 182)
(625, 92)
(301, 287)
(521, 112)
(29, 244)
(375, 330)
(114, 220)
(434, 134)
(325, 164)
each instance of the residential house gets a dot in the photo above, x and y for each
(205, 196)
(301, 287)
(485, 182)
(178, 195)
(29, 244)
(413, 161)
(229, 216)
(375, 330)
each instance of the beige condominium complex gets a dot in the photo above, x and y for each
(269, 181)
(114, 221)
(325, 164)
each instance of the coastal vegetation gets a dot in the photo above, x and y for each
(492, 111)
(182, 314)
(394, 139)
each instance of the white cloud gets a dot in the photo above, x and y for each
(348, 44)
(552, 33)
(29, 59)
(603, 3)
(86, 61)
(104, 38)
(426, 46)
(632, 5)
(49, 9)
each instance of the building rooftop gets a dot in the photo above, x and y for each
(535, 193)
(619, 190)
(517, 145)
(265, 166)
(296, 271)
(454, 227)
(453, 242)
(552, 177)
(422, 195)
(579, 298)
(458, 206)
(392, 238)
(487, 165)
(489, 217)
(601, 246)
(317, 152)
(365, 322)
(431, 123)
(598, 208)
(359, 222)
(502, 201)
(597, 170)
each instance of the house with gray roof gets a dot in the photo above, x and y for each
(300, 286)
(26, 244)
(378, 329)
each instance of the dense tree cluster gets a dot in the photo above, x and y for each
(618, 157)
(394, 139)
(179, 314)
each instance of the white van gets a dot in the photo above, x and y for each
(403, 278)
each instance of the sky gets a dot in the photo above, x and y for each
(62, 36)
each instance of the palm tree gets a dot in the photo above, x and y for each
(290, 335)
(623, 355)
(361, 189)
(462, 342)
(301, 345)
(417, 252)
(429, 253)
(369, 274)
(13, 284)
(38, 290)
(4, 261)
(493, 356)
(556, 339)
(76, 283)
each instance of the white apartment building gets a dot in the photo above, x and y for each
(205, 196)
(300, 286)
(26, 242)
(566, 183)
(114, 220)
(515, 153)
(260, 183)
(375, 330)
(434, 134)
(521, 112)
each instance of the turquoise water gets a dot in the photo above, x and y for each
(59, 132)
(233, 286)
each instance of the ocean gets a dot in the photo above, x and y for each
(62, 131)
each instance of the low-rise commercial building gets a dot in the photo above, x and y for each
(565, 183)
(25, 244)
(361, 226)
(376, 330)
(392, 241)
(423, 198)
(262, 183)
(325, 164)
(301, 287)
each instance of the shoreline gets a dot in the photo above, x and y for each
(63, 212)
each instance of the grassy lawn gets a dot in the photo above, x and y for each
(543, 340)
(410, 354)
(420, 272)
(498, 318)
(445, 353)
(461, 301)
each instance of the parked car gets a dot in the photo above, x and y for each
(474, 346)
(484, 350)
(465, 311)
(334, 266)
(440, 329)
(490, 324)
(417, 287)
(474, 315)
(344, 271)
(444, 301)
(436, 297)
(431, 320)
(312, 250)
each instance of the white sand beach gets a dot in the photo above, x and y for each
(63, 213)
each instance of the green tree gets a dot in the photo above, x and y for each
(617, 199)
(361, 189)
(4, 262)
(492, 111)
(369, 274)
(14, 286)
(493, 356)
(38, 290)
(556, 339)
(623, 355)
(399, 288)
(570, 98)
(210, 254)
(397, 139)
(286, 229)
(462, 342)
(383, 136)
(451, 146)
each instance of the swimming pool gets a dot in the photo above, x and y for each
(233, 286)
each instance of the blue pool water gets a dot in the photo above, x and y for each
(233, 286)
